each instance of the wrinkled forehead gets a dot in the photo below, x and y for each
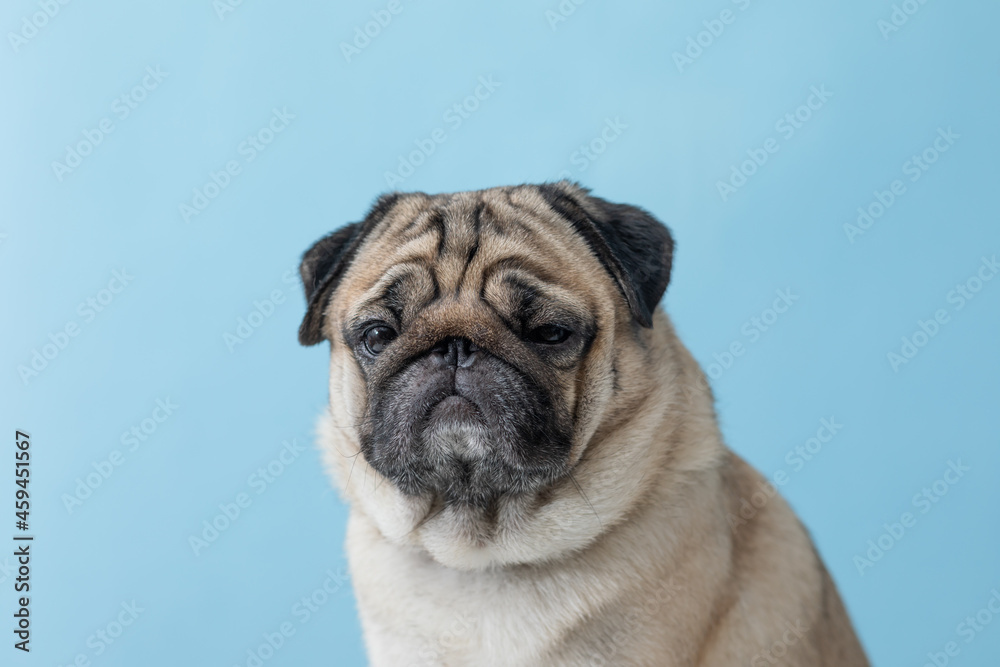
(506, 240)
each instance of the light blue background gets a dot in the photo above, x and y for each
(163, 336)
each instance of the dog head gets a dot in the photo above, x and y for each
(478, 344)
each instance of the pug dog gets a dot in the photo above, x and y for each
(531, 456)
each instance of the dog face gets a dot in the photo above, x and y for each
(476, 337)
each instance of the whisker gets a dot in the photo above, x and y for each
(429, 516)
(584, 495)
(355, 457)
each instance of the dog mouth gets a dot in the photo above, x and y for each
(454, 409)
(455, 431)
(465, 434)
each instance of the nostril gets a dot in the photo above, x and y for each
(466, 353)
(455, 352)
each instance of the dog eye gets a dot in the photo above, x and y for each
(549, 334)
(378, 337)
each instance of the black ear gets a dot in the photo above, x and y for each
(325, 263)
(634, 247)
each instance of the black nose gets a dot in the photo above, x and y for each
(455, 352)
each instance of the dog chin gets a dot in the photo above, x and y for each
(455, 433)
